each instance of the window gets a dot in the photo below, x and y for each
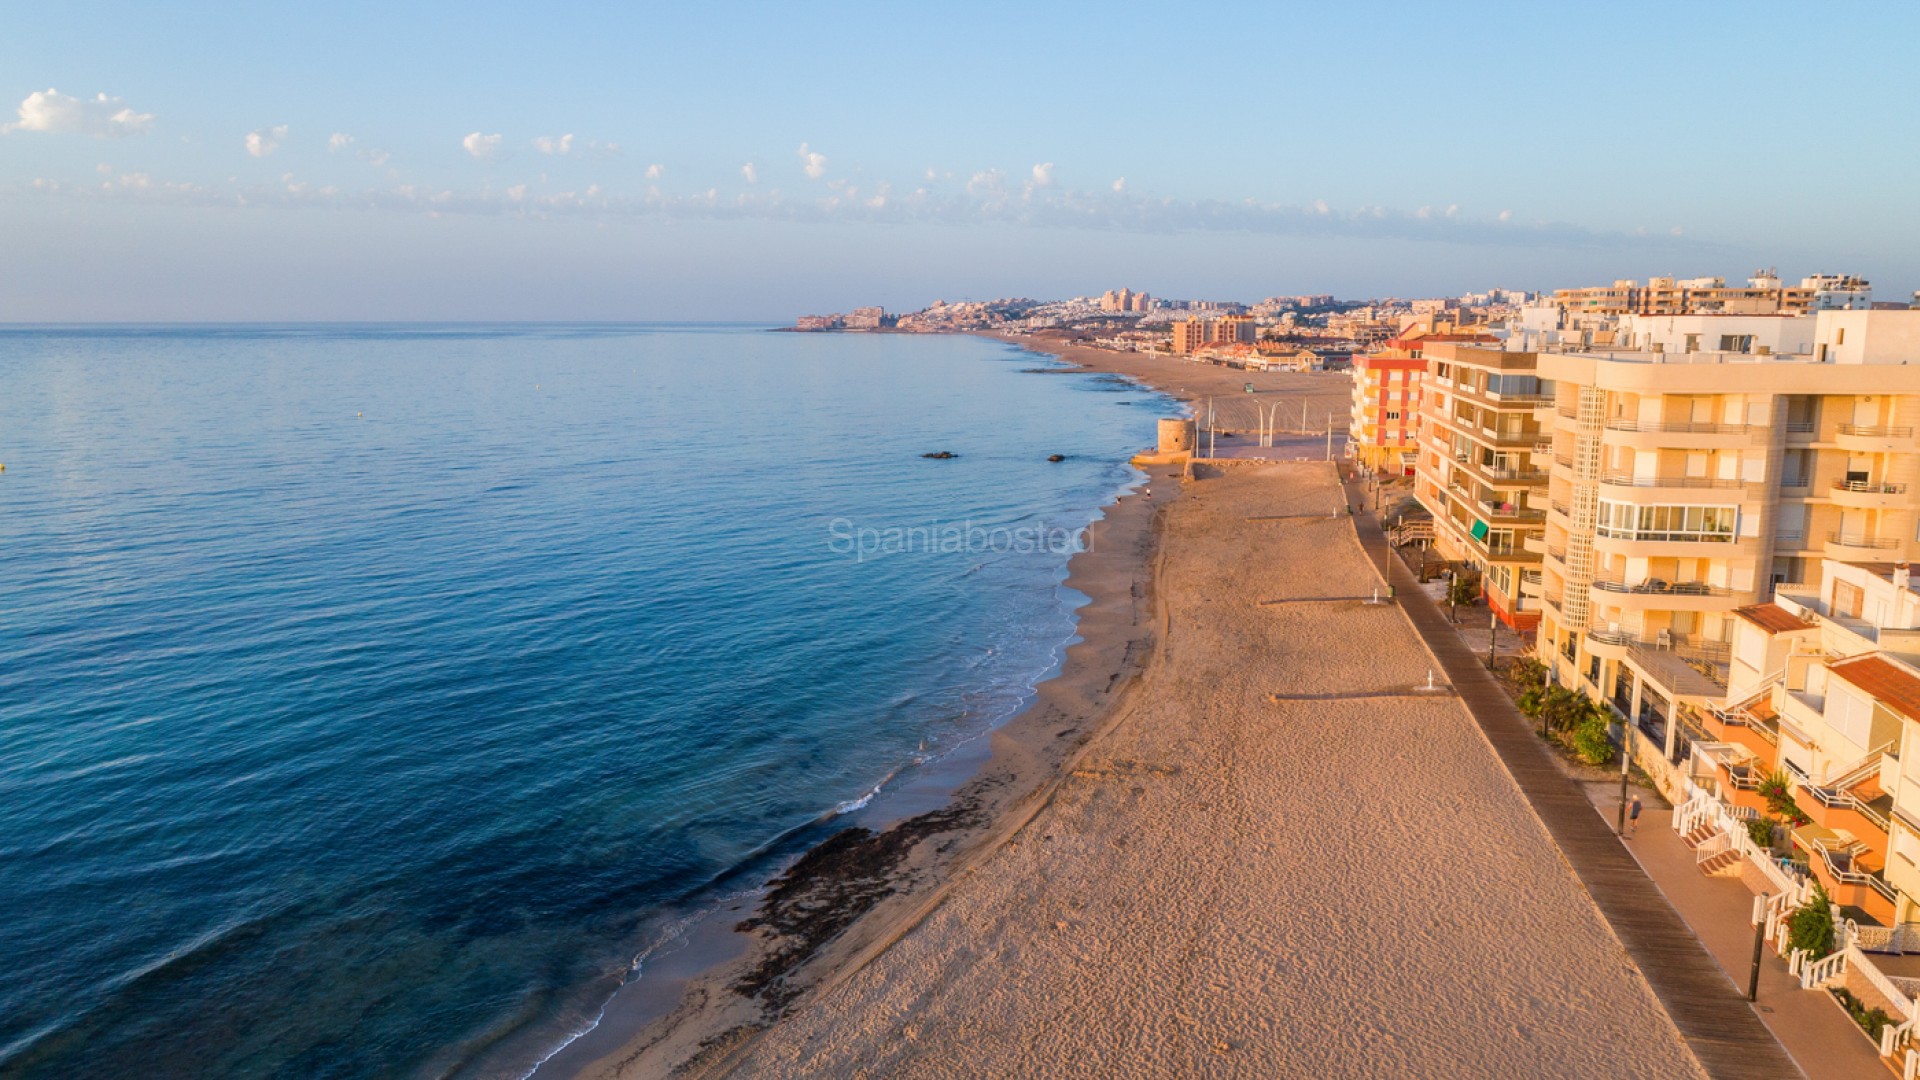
(1393, 414)
(1703, 524)
(1840, 335)
(1849, 714)
(1736, 343)
(1846, 599)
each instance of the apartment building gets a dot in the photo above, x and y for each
(1763, 294)
(1689, 483)
(1192, 335)
(1384, 422)
(1825, 692)
(1383, 425)
(1480, 468)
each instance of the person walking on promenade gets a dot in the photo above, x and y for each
(1633, 816)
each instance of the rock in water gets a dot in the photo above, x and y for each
(1056, 457)
(941, 455)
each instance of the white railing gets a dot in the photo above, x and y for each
(1817, 973)
(1778, 908)
(1702, 809)
(1858, 963)
(1712, 848)
(1860, 770)
(1910, 1069)
(1895, 1036)
(1738, 711)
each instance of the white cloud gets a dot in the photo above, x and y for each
(986, 182)
(1676, 231)
(1043, 174)
(988, 200)
(374, 157)
(554, 144)
(264, 141)
(338, 141)
(482, 147)
(813, 164)
(54, 113)
(1120, 186)
(1506, 215)
(1320, 207)
(752, 174)
(655, 172)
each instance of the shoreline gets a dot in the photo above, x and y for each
(843, 901)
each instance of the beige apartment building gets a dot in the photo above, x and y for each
(1192, 335)
(1764, 294)
(1690, 482)
(1481, 468)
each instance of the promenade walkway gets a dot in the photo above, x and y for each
(1721, 1028)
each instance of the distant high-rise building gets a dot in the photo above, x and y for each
(1126, 300)
(1764, 294)
(1189, 336)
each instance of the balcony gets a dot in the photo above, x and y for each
(1681, 435)
(1750, 728)
(1869, 439)
(1675, 483)
(1656, 594)
(1838, 864)
(1738, 772)
(1610, 644)
(1863, 815)
(1683, 669)
(1515, 476)
(1858, 548)
(1868, 495)
(1510, 512)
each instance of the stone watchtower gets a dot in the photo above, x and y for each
(1176, 436)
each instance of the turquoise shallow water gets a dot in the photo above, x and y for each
(368, 695)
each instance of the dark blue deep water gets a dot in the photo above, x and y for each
(367, 694)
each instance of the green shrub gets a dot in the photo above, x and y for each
(1872, 1021)
(1590, 742)
(1761, 831)
(1810, 927)
(1778, 791)
(1464, 590)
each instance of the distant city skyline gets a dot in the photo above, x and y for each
(362, 163)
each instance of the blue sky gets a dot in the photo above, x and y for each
(756, 161)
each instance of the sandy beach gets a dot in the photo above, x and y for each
(1231, 839)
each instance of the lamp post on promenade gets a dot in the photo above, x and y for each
(1493, 633)
(1626, 763)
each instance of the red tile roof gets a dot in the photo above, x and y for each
(1773, 618)
(1891, 685)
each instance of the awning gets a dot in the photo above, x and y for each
(1479, 529)
(1808, 837)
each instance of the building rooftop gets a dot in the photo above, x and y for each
(1894, 686)
(1773, 618)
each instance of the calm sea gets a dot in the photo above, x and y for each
(371, 696)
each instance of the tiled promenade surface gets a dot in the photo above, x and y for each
(1722, 1029)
